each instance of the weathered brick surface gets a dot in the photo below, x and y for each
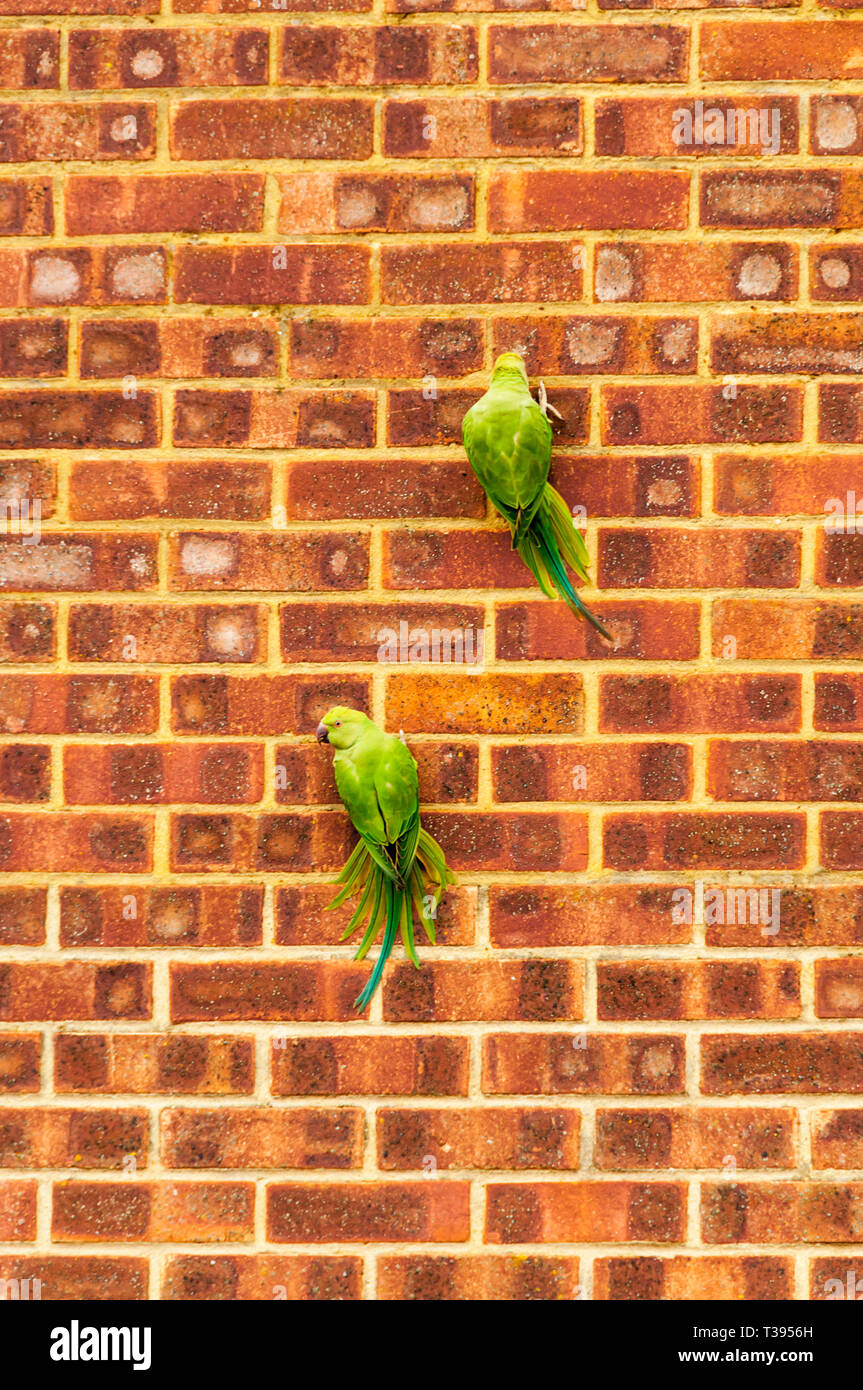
(256, 261)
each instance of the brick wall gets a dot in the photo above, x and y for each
(256, 261)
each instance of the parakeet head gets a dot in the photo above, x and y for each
(341, 726)
(509, 364)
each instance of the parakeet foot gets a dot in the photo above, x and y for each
(544, 405)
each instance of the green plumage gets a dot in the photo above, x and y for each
(508, 442)
(397, 868)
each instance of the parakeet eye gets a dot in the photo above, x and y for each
(337, 723)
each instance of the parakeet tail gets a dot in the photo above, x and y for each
(394, 898)
(550, 539)
(391, 900)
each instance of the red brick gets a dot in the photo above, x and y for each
(782, 486)
(821, 916)
(483, 1138)
(358, 488)
(362, 55)
(813, 343)
(258, 705)
(72, 1277)
(781, 198)
(262, 1137)
(836, 702)
(273, 128)
(81, 130)
(327, 201)
(585, 772)
(22, 916)
(836, 1136)
(310, 1213)
(271, 275)
(688, 704)
(484, 1278)
(20, 1063)
(178, 348)
(272, 419)
(154, 773)
(689, 1278)
(17, 1211)
(108, 59)
(835, 1278)
(482, 127)
(176, 916)
(324, 993)
(76, 990)
(77, 419)
(514, 272)
(648, 127)
(332, 347)
(597, 345)
(54, 1138)
(70, 562)
(447, 772)
(298, 561)
(691, 559)
(165, 1211)
(387, 1065)
(69, 842)
(362, 631)
(777, 1063)
(582, 1064)
(29, 59)
(540, 200)
(125, 203)
(836, 272)
(130, 490)
(654, 632)
(538, 990)
(797, 630)
(767, 51)
(780, 1213)
(145, 1063)
(694, 271)
(613, 915)
(167, 633)
(243, 1277)
(596, 53)
(233, 843)
(503, 704)
(593, 1211)
(706, 1137)
(703, 989)
(841, 839)
(840, 417)
(414, 418)
(701, 414)
(742, 770)
(711, 840)
(48, 704)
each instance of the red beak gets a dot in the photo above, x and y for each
(322, 733)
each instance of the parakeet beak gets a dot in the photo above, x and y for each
(322, 733)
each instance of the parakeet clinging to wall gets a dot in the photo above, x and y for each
(397, 864)
(508, 441)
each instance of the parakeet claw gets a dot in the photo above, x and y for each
(544, 405)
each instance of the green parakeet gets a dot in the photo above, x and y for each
(395, 860)
(507, 437)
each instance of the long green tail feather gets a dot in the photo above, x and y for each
(551, 532)
(388, 898)
(394, 906)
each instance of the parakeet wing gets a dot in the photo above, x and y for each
(356, 784)
(508, 443)
(396, 786)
